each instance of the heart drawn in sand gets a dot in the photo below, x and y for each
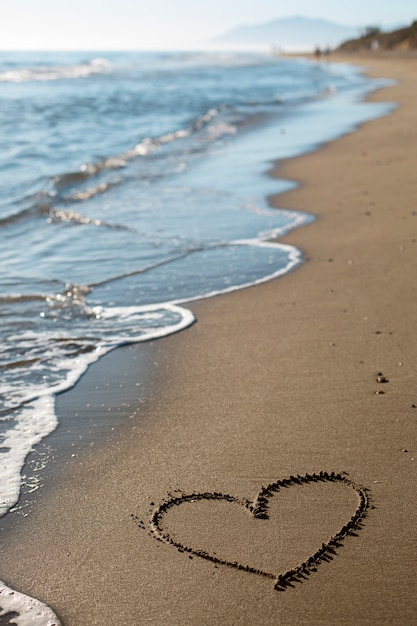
(259, 509)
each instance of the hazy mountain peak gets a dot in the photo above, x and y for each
(294, 32)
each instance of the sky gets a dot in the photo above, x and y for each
(165, 24)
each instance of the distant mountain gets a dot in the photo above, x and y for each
(400, 39)
(294, 33)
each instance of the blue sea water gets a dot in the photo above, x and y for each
(131, 184)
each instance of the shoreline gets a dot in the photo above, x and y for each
(276, 394)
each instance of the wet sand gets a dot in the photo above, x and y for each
(269, 474)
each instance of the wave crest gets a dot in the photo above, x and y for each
(81, 70)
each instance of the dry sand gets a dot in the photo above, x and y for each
(273, 381)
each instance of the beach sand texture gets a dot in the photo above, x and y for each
(224, 500)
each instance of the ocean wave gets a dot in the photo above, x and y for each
(72, 217)
(82, 70)
(59, 357)
(225, 59)
(54, 215)
(16, 217)
(215, 129)
(13, 298)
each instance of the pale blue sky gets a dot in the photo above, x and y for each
(139, 24)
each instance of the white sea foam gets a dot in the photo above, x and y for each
(146, 146)
(215, 131)
(30, 612)
(35, 422)
(82, 70)
(36, 418)
(294, 257)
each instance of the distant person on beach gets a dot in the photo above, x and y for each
(317, 53)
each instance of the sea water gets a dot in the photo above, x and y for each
(132, 184)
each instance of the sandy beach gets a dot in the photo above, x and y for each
(268, 474)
